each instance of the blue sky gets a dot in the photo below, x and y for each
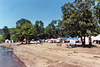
(45, 10)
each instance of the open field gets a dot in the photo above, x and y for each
(51, 55)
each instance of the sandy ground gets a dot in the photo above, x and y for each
(51, 55)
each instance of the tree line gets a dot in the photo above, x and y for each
(25, 29)
(80, 18)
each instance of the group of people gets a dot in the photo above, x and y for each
(70, 45)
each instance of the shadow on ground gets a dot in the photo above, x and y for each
(85, 46)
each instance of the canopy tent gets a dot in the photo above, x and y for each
(95, 38)
(98, 37)
(69, 38)
(92, 38)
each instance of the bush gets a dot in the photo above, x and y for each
(1, 39)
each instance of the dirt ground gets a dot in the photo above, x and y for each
(51, 55)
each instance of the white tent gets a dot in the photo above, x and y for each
(92, 38)
(72, 41)
(86, 40)
(98, 37)
(95, 38)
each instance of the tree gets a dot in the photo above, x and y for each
(96, 13)
(62, 29)
(22, 21)
(6, 33)
(96, 20)
(16, 33)
(52, 30)
(39, 26)
(48, 32)
(28, 31)
(1, 32)
(77, 18)
(1, 39)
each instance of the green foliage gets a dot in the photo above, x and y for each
(62, 29)
(24, 29)
(6, 33)
(81, 19)
(1, 32)
(28, 31)
(97, 12)
(48, 32)
(1, 39)
(21, 22)
(78, 18)
(39, 26)
(52, 30)
(16, 34)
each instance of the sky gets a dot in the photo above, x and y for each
(45, 10)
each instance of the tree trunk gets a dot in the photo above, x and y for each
(90, 43)
(83, 41)
(26, 39)
(61, 33)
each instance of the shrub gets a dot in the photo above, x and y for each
(1, 39)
